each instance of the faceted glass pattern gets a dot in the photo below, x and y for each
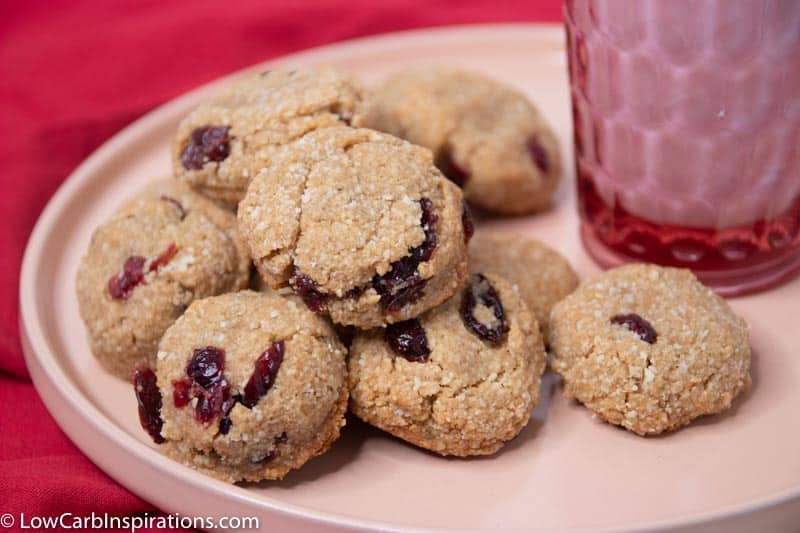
(686, 122)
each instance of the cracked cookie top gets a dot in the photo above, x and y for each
(649, 348)
(345, 211)
(253, 385)
(226, 141)
(144, 266)
(460, 380)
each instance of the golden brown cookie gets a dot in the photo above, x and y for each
(226, 141)
(144, 266)
(461, 379)
(251, 385)
(542, 276)
(487, 137)
(359, 223)
(649, 348)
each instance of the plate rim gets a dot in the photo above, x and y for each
(53, 385)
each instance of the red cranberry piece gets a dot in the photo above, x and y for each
(407, 338)
(428, 220)
(175, 203)
(121, 285)
(408, 290)
(306, 288)
(480, 290)
(206, 366)
(208, 384)
(402, 284)
(207, 143)
(148, 397)
(210, 403)
(263, 377)
(467, 221)
(164, 257)
(638, 325)
(447, 166)
(225, 423)
(538, 154)
(355, 292)
(180, 392)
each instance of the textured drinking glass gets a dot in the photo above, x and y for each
(686, 118)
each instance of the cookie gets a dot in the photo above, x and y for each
(460, 380)
(226, 141)
(649, 348)
(486, 136)
(144, 266)
(360, 224)
(251, 386)
(542, 276)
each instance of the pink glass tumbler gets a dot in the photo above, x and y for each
(686, 121)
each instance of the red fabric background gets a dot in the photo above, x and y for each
(72, 73)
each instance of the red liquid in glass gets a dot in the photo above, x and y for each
(726, 258)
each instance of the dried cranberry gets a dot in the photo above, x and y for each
(445, 163)
(209, 404)
(638, 325)
(206, 383)
(467, 222)
(263, 377)
(306, 288)
(480, 290)
(206, 366)
(164, 257)
(402, 291)
(180, 392)
(408, 339)
(225, 425)
(175, 203)
(538, 154)
(148, 397)
(402, 284)
(428, 220)
(207, 143)
(355, 292)
(121, 285)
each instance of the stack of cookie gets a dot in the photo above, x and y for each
(368, 292)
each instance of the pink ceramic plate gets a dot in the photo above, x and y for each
(737, 471)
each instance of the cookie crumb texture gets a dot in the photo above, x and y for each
(225, 142)
(486, 136)
(269, 343)
(467, 396)
(361, 224)
(542, 276)
(144, 266)
(649, 348)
